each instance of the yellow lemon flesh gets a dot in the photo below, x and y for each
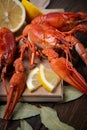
(12, 14)
(31, 10)
(32, 80)
(48, 78)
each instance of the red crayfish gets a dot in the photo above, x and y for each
(18, 79)
(56, 31)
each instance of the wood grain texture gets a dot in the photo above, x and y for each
(69, 5)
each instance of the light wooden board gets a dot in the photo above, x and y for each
(41, 94)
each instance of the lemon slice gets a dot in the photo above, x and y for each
(12, 14)
(32, 81)
(31, 10)
(48, 78)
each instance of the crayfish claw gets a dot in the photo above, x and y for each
(65, 70)
(9, 103)
(17, 85)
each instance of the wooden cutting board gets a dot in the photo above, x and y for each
(41, 94)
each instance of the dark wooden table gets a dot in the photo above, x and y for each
(73, 113)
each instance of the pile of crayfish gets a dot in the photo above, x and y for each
(47, 35)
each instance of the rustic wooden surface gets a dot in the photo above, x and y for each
(74, 112)
(41, 94)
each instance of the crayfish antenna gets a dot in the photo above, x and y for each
(79, 28)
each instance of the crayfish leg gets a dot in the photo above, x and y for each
(79, 28)
(80, 49)
(4, 80)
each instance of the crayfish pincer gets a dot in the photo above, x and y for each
(65, 70)
(18, 79)
(17, 85)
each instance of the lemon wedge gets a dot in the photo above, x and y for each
(31, 10)
(48, 78)
(12, 14)
(32, 80)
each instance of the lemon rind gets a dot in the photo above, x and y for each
(33, 12)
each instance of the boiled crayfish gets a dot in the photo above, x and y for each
(18, 79)
(7, 51)
(56, 31)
